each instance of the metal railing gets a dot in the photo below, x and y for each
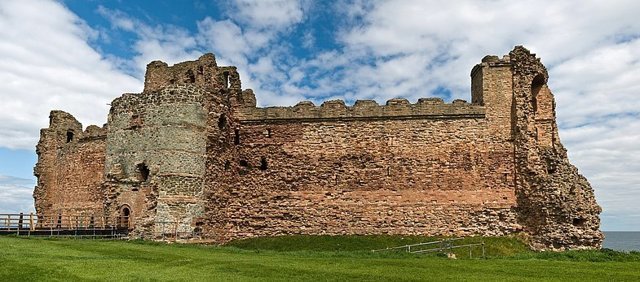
(87, 225)
(174, 231)
(63, 225)
(442, 246)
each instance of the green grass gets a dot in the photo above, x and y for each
(298, 258)
(502, 246)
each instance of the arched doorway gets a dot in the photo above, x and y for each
(125, 217)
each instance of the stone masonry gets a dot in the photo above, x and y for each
(193, 151)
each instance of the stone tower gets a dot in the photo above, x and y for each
(157, 145)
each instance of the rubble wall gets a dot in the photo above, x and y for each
(155, 157)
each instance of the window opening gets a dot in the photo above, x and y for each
(268, 132)
(143, 172)
(225, 77)
(69, 136)
(227, 164)
(263, 163)
(191, 77)
(536, 85)
(236, 139)
(222, 121)
(244, 163)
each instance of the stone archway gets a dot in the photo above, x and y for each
(124, 221)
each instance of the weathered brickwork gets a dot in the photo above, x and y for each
(70, 168)
(193, 151)
(360, 177)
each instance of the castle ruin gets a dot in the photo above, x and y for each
(193, 149)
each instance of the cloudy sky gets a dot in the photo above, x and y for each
(78, 55)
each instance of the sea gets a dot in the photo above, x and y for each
(622, 240)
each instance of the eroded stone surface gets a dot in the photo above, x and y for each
(192, 152)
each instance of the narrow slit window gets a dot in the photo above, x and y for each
(69, 136)
(236, 138)
(268, 132)
(225, 77)
(222, 121)
(263, 163)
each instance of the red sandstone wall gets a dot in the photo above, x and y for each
(69, 173)
(423, 176)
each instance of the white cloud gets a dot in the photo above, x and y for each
(227, 39)
(47, 64)
(267, 14)
(15, 195)
(246, 40)
(168, 43)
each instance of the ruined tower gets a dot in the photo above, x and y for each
(192, 154)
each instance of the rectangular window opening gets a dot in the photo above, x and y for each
(225, 77)
(263, 163)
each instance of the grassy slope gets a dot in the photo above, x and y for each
(41, 259)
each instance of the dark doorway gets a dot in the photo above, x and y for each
(125, 215)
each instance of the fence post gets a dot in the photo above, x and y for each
(20, 221)
(31, 226)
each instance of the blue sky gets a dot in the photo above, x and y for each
(77, 56)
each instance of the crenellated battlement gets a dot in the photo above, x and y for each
(398, 108)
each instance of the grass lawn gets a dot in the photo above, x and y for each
(298, 258)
